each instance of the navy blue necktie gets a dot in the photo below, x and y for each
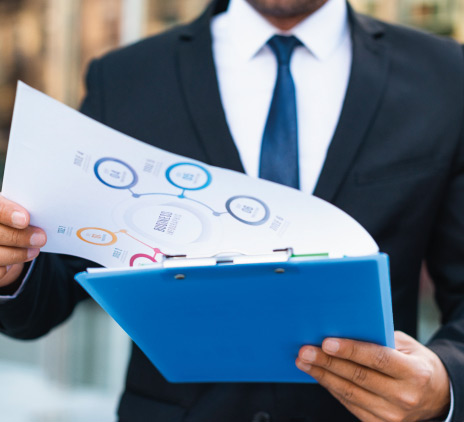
(279, 148)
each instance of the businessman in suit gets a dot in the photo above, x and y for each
(372, 117)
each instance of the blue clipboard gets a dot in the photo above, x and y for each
(245, 322)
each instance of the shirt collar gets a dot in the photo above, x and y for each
(321, 32)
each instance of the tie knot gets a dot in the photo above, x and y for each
(283, 47)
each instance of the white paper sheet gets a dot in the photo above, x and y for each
(107, 197)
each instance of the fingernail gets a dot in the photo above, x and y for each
(309, 355)
(32, 253)
(303, 365)
(331, 346)
(37, 239)
(18, 218)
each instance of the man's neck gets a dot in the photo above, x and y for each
(285, 24)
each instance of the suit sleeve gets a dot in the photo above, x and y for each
(445, 260)
(50, 294)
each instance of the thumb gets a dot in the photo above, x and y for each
(405, 343)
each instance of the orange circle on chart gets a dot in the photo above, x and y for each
(98, 239)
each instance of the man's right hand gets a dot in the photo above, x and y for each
(19, 242)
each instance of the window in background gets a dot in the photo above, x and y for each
(432, 15)
(443, 17)
(162, 14)
(47, 44)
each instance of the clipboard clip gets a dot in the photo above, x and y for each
(180, 261)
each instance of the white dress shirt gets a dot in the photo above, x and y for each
(247, 70)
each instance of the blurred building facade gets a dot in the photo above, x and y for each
(48, 44)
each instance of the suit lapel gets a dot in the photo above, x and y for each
(197, 75)
(365, 89)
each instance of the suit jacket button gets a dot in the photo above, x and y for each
(261, 417)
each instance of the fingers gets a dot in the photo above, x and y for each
(359, 412)
(406, 344)
(19, 242)
(12, 214)
(26, 238)
(366, 378)
(10, 256)
(379, 358)
(378, 383)
(346, 392)
(18, 246)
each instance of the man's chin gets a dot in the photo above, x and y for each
(286, 8)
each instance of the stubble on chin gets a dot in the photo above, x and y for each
(286, 8)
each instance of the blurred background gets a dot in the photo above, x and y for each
(76, 373)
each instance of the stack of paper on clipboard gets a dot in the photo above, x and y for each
(205, 267)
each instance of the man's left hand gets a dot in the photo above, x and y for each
(377, 383)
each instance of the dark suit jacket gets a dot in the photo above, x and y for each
(396, 164)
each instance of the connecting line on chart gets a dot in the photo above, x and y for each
(181, 196)
(102, 237)
(215, 213)
(138, 240)
(186, 176)
(156, 251)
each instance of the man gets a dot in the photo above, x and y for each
(373, 112)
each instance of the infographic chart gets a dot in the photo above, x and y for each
(175, 222)
(187, 177)
(104, 196)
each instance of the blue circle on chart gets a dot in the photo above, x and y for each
(115, 173)
(188, 176)
(248, 210)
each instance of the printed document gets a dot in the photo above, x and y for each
(109, 198)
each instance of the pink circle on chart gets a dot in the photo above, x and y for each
(144, 260)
